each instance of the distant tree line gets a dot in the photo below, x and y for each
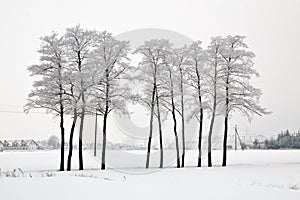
(86, 72)
(53, 142)
(284, 140)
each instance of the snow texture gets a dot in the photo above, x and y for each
(250, 175)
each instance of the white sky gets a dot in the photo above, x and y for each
(271, 27)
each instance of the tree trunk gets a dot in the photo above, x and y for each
(82, 113)
(213, 115)
(151, 125)
(182, 118)
(62, 129)
(105, 119)
(226, 124)
(175, 132)
(80, 139)
(225, 142)
(71, 141)
(160, 132)
(200, 138)
(104, 141)
(209, 139)
(62, 145)
(174, 119)
(201, 116)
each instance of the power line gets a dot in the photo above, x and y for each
(20, 112)
(16, 111)
(11, 105)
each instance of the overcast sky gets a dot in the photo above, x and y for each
(272, 28)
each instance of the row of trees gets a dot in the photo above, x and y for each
(78, 75)
(284, 140)
(85, 72)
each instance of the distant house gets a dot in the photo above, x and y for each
(18, 145)
(32, 145)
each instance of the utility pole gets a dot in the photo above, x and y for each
(95, 139)
(237, 136)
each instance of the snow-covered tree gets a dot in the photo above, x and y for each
(79, 44)
(110, 61)
(170, 92)
(214, 62)
(149, 72)
(197, 73)
(180, 57)
(237, 71)
(49, 88)
(73, 97)
(53, 142)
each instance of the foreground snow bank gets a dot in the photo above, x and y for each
(250, 175)
(236, 182)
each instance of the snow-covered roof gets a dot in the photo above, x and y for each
(18, 142)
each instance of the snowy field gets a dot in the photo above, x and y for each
(251, 174)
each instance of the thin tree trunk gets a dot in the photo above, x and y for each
(226, 124)
(62, 129)
(62, 145)
(95, 139)
(209, 139)
(182, 118)
(151, 125)
(82, 113)
(200, 138)
(104, 141)
(71, 141)
(105, 120)
(176, 139)
(174, 120)
(201, 116)
(160, 132)
(213, 116)
(225, 142)
(80, 139)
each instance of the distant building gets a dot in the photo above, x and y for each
(18, 145)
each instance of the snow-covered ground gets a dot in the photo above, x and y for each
(250, 175)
